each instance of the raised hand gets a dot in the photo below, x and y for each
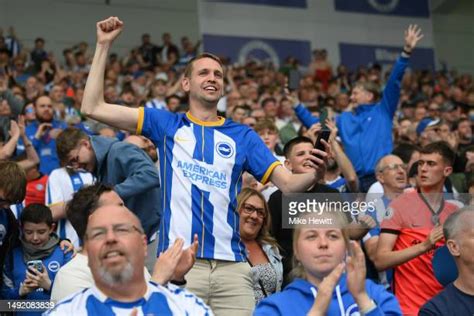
(15, 131)
(108, 30)
(175, 262)
(66, 246)
(166, 263)
(42, 129)
(187, 260)
(319, 159)
(367, 221)
(334, 130)
(356, 270)
(313, 132)
(356, 273)
(412, 36)
(324, 295)
(22, 125)
(291, 96)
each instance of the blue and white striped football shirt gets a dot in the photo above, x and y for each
(60, 188)
(158, 300)
(156, 104)
(201, 169)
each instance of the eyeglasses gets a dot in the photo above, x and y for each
(393, 166)
(249, 209)
(74, 161)
(119, 230)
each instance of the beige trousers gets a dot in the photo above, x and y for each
(223, 285)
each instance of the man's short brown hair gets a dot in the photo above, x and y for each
(370, 87)
(265, 124)
(83, 203)
(12, 181)
(442, 148)
(67, 140)
(189, 67)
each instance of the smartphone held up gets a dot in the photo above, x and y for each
(35, 264)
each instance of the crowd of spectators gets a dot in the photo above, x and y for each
(395, 132)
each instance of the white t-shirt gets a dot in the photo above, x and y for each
(60, 188)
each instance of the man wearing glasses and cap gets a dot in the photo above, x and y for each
(412, 229)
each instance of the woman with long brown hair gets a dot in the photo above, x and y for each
(262, 249)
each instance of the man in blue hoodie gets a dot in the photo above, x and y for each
(366, 129)
(125, 166)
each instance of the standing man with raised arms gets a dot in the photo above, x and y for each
(365, 127)
(202, 160)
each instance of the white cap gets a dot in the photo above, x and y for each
(162, 76)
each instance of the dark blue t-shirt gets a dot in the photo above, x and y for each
(450, 301)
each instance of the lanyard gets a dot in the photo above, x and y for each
(435, 215)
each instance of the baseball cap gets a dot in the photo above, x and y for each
(426, 122)
(162, 76)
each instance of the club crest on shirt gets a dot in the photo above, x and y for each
(388, 213)
(224, 149)
(53, 266)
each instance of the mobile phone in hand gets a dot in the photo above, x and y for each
(322, 117)
(323, 134)
(36, 264)
(293, 80)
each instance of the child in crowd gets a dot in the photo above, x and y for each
(30, 268)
